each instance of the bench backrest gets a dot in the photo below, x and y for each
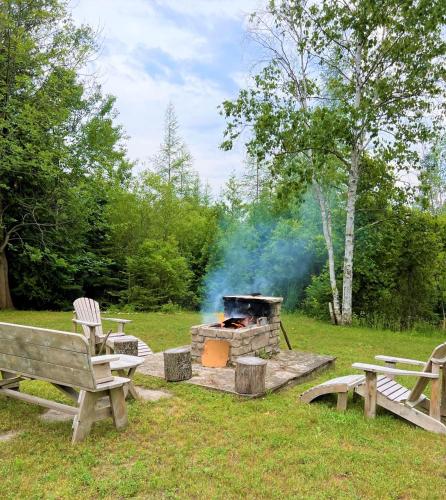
(51, 355)
(88, 310)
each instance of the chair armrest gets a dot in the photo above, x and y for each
(107, 358)
(86, 323)
(118, 320)
(406, 361)
(392, 371)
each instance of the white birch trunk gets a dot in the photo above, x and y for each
(347, 283)
(328, 236)
(353, 177)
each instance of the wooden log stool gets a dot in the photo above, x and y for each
(250, 375)
(124, 344)
(177, 364)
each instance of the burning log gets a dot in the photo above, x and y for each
(236, 322)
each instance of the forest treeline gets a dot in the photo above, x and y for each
(78, 219)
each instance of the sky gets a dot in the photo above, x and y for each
(193, 53)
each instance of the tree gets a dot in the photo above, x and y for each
(256, 178)
(433, 177)
(158, 274)
(346, 80)
(55, 138)
(174, 162)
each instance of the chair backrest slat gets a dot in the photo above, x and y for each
(421, 384)
(50, 355)
(88, 310)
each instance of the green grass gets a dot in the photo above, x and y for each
(203, 444)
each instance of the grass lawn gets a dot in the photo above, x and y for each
(203, 444)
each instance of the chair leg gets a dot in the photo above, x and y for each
(342, 401)
(370, 395)
(435, 403)
(443, 390)
(118, 407)
(85, 418)
(129, 388)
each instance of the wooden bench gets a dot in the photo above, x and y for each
(64, 360)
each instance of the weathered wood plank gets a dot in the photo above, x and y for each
(370, 394)
(42, 336)
(85, 417)
(393, 360)
(435, 400)
(64, 375)
(38, 352)
(118, 407)
(391, 371)
(395, 396)
(28, 398)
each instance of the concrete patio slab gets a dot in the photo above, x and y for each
(285, 368)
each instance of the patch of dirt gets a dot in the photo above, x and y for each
(7, 436)
(152, 395)
(55, 416)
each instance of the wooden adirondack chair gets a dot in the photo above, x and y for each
(87, 314)
(378, 387)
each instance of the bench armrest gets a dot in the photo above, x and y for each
(102, 368)
(107, 358)
(406, 361)
(118, 320)
(86, 323)
(392, 371)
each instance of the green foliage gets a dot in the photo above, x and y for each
(152, 209)
(158, 274)
(60, 155)
(317, 297)
(398, 263)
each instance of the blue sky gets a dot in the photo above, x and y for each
(194, 53)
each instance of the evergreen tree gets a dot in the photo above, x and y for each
(174, 161)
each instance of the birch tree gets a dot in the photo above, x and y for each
(344, 80)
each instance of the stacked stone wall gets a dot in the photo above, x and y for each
(253, 340)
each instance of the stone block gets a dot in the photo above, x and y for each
(274, 319)
(239, 351)
(209, 333)
(250, 332)
(260, 341)
(225, 335)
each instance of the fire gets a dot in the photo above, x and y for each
(220, 317)
(237, 322)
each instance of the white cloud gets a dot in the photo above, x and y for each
(132, 27)
(215, 9)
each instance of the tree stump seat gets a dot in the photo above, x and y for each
(250, 373)
(177, 364)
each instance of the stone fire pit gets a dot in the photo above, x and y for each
(260, 337)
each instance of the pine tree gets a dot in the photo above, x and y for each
(174, 161)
